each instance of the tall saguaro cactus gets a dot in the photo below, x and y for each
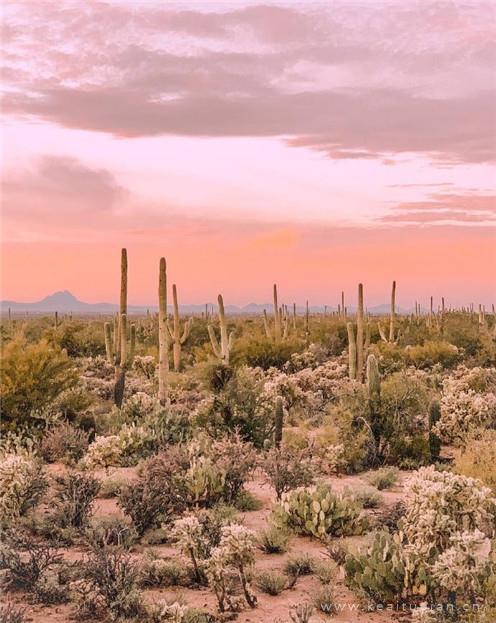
(358, 343)
(221, 350)
(177, 338)
(393, 336)
(116, 345)
(163, 334)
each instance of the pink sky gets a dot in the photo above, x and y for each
(250, 143)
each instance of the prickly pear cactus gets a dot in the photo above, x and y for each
(319, 512)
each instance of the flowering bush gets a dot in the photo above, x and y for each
(22, 484)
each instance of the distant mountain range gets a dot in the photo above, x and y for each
(66, 302)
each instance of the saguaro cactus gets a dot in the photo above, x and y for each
(360, 334)
(358, 343)
(393, 336)
(163, 334)
(373, 378)
(223, 350)
(278, 334)
(177, 338)
(121, 339)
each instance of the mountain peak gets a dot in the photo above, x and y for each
(62, 296)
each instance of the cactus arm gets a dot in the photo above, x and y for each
(214, 342)
(393, 312)
(266, 324)
(277, 316)
(186, 330)
(278, 421)
(132, 347)
(381, 332)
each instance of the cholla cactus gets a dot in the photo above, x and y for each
(205, 480)
(238, 545)
(318, 512)
(440, 504)
(145, 365)
(467, 402)
(174, 612)
(223, 350)
(462, 568)
(21, 485)
(137, 406)
(191, 540)
(116, 450)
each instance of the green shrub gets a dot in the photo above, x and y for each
(271, 582)
(431, 353)
(299, 565)
(273, 540)
(265, 354)
(384, 478)
(31, 377)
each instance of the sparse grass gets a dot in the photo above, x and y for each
(299, 565)
(271, 582)
(273, 540)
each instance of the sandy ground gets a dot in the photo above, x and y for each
(270, 609)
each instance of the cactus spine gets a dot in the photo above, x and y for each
(278, 421)
(163, 341)
(175, 332)
(223, 350)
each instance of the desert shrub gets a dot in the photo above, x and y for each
(73, 499)
(110, 584)
(429, 354)
(31, 377)
(111, 487)
(79, 339)
(235, 459)
(145, 366)
(31, 567)
(325, 572)
(238, 406)
(271, 582)
(383, 478)
(72, 403)
(301, 613)
(22, 484)
(394, 420)
(325, 601)
(288, 468)
(386, 570)
(273, 540)
(299, 565)
(247, 502)
(477, 459)
(319, 512)
(64, 443)
(112, 530)
(160, 493)
(11, 613)
(366, 496)
(161, 572)
(264, 354)
(137, 406)
(391, 516)
(236, 551)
